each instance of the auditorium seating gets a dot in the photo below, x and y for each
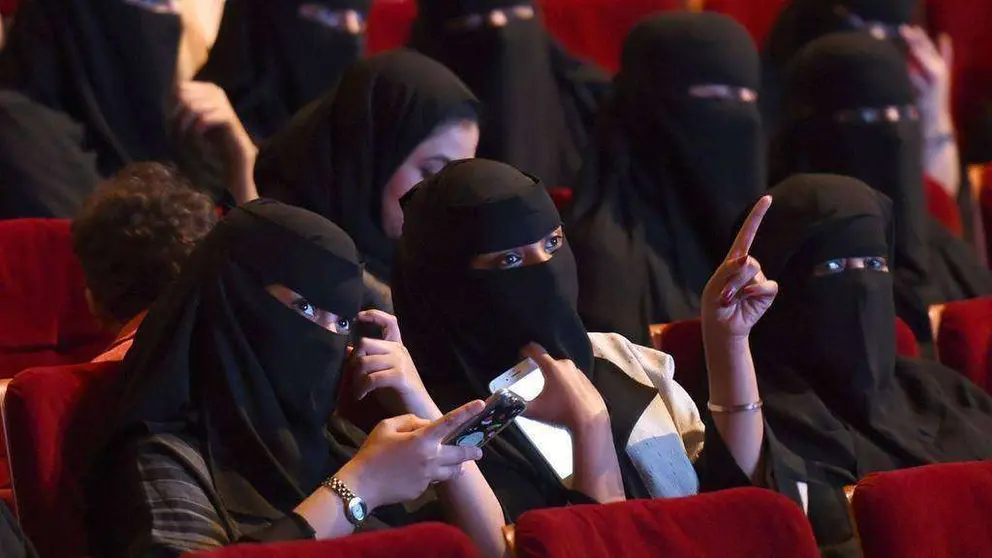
(939, 511)
(943, 207)
(426, 540)
(963, 333)
(45, 320)
(684, 341)
(55, 418)
(744, 522)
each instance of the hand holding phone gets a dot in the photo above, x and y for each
(500, 410)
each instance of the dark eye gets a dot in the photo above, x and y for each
(829, 267)
(343, 325)
(554, 242)
(876, 264)
(506, 261)
(304, 307)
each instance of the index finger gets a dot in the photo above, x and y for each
(390, 328)
(452, 421)
(745, 237)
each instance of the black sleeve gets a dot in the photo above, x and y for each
(290, 528)
(13, 543)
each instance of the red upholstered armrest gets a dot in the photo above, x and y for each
(426, 540)
(964, 339)
(745, 522)
(940, 511)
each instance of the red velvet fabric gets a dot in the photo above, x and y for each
(744, 522)
(684, 341)
(758, 16)
(561, 196)
(7, 7)
(45, 319)
(389, 24)
(426, 540)
(964, 340)
(943, 207)
(55, 420)
(939, 511)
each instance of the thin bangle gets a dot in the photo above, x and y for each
(731, 409)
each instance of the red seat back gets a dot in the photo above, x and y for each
(943, 207)
(758, 16)
(940, 511)
(745, 522)
(426, 540)
(964, 339)
(45, 319)
(55, 419)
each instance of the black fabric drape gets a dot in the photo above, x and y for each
(803, 21)
(272, 59)
(45, 170)
(221, 361)
(338, 153)
(109, 65)
(465, 326)
(835, 393)
(851, 72)
(667, 173)
(538, 100)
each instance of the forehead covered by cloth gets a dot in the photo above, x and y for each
(888, 11)
(674, 51)
(298, 249)
(819, 217)
(440, 11)
(849, 71)
(474, 207)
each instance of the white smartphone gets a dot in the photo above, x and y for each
(552, 442)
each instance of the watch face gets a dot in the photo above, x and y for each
(357, 509)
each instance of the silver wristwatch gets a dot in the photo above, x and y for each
(355, 508)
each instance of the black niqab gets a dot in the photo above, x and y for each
(667, 174)
(803, 21)
(466, 326)
(337, 155)
(271, 59)
(221, 360)
(538, 100)
(851, 72)
(834, 391)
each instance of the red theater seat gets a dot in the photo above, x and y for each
(427, 540)
(964, 339)
(940, 511)
(758, 16)
(943, 207)
(684, 341)
(45, 320)
(55, 419)
(745, 522)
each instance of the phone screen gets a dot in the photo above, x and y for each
(552, 442)
(499, 412)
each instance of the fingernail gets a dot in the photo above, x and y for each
(477, 454)
(727, 296)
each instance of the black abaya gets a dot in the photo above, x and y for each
(539, 101)
(337, 155)
(850, 110)
(667, 173)
(835, 394)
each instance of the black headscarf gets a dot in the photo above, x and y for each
(538, 101)
(272, 58)
(667, 174)
(853, 71)
(465, 326)
(44, 169)
(337, 154)
(834, 391)
(111, 66)
(803, 21)
(220, 360)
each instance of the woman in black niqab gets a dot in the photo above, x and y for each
(803, 21)
(850, 110)
(539, 101)
(338, 154)
(272, 58)
(677, 156)
(111, 66)
(837, 397)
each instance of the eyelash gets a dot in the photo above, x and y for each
(551, 245)
(343, 325)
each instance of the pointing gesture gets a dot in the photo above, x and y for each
(739, 294)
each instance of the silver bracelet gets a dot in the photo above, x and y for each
(714, 408)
